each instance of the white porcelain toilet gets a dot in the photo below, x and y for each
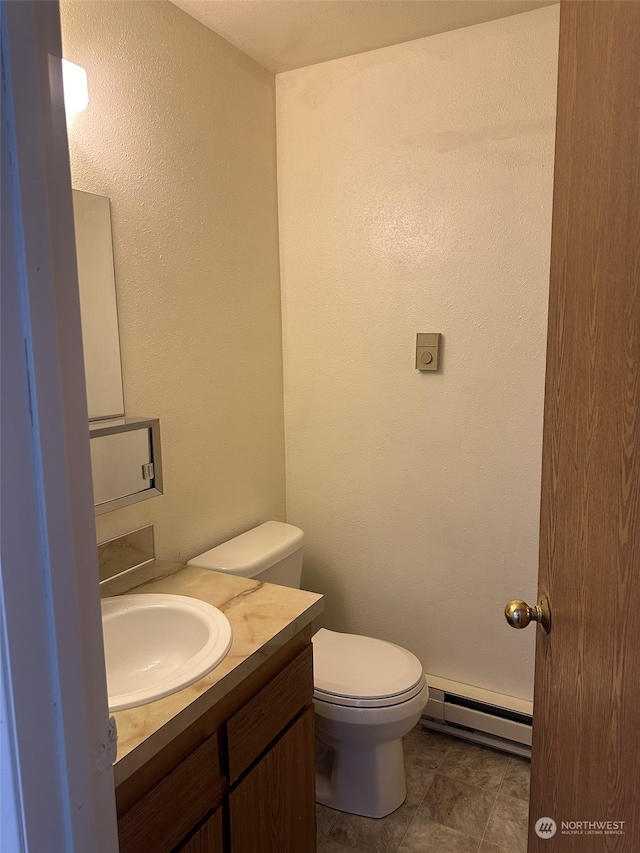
(368, 693)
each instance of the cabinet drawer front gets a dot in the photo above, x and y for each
(160, 819)
(262, 719)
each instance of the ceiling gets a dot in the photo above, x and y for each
(286, 34)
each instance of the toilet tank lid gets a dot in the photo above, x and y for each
(254, 551)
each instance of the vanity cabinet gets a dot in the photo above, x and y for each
(240, 778)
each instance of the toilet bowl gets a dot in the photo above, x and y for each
(368, 693)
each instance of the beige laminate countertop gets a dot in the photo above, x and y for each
(263, 617)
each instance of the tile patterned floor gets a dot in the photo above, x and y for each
(461, 798)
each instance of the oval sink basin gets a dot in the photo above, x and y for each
(156, 644)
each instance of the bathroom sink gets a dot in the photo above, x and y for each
(156, 644)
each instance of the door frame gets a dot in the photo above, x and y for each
(57, 747)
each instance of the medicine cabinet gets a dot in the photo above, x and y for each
(125, 451)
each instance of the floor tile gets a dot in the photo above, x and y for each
(425, 836)
(475, 765)
(511, 808)
(458, 805)
(324, 819)
(418, 780)
(517, 778)
(426, 748)
(485, 847)
(508, 824)
(329, 846)
(374, 836)
(505, 835)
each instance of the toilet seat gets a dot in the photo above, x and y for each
(363, 672)
(384, 702)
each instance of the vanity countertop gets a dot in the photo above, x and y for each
(263, 616)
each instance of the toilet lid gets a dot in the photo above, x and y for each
(361, 667)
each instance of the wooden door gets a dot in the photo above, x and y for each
(586, 735)
(273, 809)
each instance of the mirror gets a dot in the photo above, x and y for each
(98, 305)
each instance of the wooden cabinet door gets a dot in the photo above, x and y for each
(260, 721)
(273, 810)
(171, 809)
(209, 837)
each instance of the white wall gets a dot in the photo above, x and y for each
(415, 196)
(180, 134)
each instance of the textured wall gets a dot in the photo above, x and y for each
(180, 134)
(415, 195)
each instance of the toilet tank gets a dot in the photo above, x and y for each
(271, 552)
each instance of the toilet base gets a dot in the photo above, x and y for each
(360, 778)
(359, 755)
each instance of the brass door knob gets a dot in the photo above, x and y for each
(519, 614)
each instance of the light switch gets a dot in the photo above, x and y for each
(427, 350)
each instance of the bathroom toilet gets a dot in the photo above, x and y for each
(368, 693)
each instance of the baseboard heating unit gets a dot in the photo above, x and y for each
(492, 719)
